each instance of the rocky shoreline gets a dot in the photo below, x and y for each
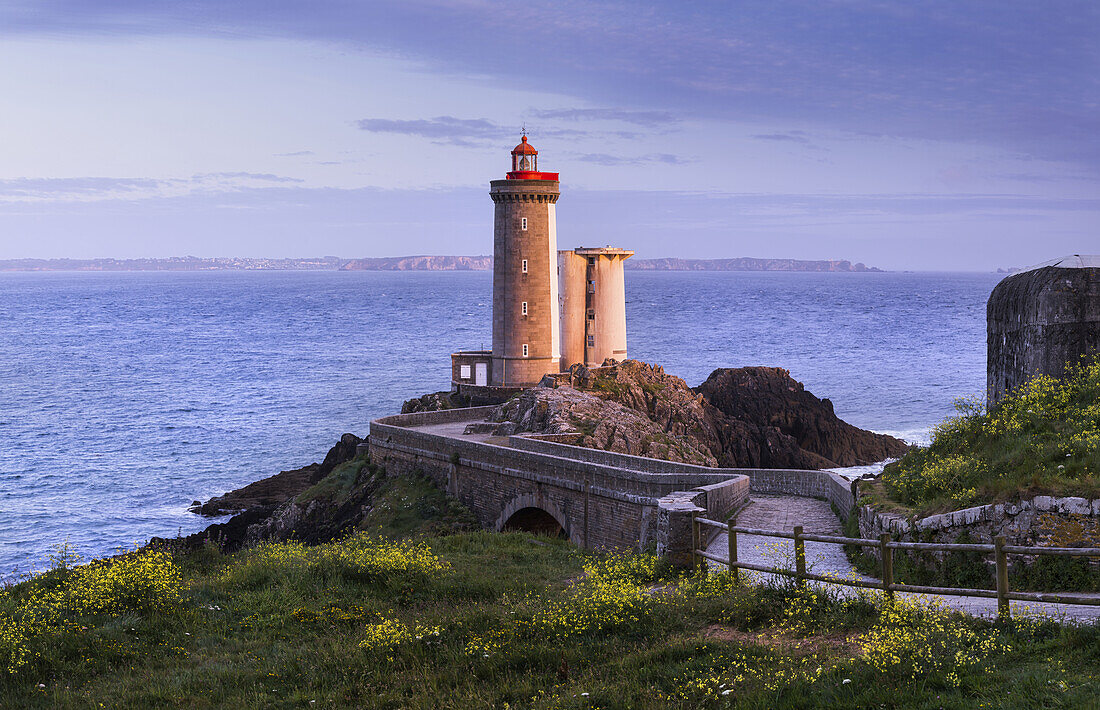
(752, 417)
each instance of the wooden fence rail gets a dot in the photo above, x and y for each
(886, 548)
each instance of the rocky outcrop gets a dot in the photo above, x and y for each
(323, 502)
(255, 506)
(761, 418)
(769, 398)
(601, 424)
(278, 489)
(434, 402)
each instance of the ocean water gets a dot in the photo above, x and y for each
(125, 396)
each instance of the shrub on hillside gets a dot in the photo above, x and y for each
(146, 582)
(1043, 437)
(359, 556)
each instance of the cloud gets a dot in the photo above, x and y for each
(295, 154)
(259, 177)
(463, 132)
(649, 119)
(99, 189)
(606, 159)
(903, 231)
(447, 129)
(790, 136)
(1021, 76)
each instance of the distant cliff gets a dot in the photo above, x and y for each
(745, 263)
(401, 263)
(420, 263)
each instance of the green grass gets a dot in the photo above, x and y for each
(1043, 439)
(339, 482)
(523, 622)
(412, 505)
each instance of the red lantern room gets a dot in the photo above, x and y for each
(525, 163)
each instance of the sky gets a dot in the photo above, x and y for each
(905, 135)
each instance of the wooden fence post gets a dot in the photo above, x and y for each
(1001, 558)
(887, 555)
(732, 556)
(799, 557)
(695, 558)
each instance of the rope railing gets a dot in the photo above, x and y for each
(886, 547)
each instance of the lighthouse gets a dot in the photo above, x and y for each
(551, 309)
(525, 272)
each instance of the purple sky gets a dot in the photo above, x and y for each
(928, 135)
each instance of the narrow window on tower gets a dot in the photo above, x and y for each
(592, 341)
(525, 350)
(524, 307)
(525, 266)
(523, 223)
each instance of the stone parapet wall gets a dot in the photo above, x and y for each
(598, 505)
(674, 515)
(488, 395)
(825, 485)
(439, 450)
(442, 416)
(1043, 521)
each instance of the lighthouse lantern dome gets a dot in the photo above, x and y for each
(525, 163)
(524, 157)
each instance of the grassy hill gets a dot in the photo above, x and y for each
(399, 616)
(1044, 439)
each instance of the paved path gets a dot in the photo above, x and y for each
(782, 512)
(454, 430)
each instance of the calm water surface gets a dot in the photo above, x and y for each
(125, 396)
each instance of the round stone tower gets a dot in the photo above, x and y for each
(525, 278)
(1041, 320)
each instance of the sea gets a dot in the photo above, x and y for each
(126, 396)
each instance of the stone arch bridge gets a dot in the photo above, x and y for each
(597, 499)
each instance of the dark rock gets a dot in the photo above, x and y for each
(599, 423)
(278, 489)
(762, 418)
(434, 402)
(769, 398)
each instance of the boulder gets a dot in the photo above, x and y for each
(600, 424)
(769, 398)
(762, 418)
(434, 402)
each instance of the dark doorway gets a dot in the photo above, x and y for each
(535, 520)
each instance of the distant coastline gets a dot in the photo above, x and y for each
(407, 263)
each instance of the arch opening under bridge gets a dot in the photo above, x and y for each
(536, 515)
